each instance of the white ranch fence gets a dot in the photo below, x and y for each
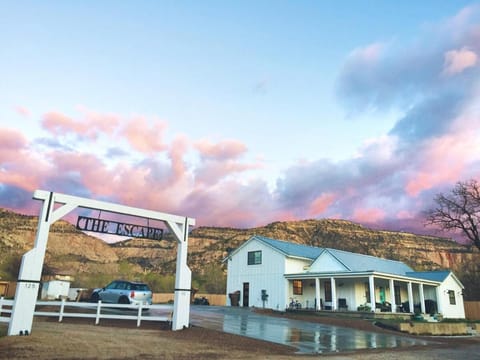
(95, 311)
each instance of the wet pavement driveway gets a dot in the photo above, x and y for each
(305, 336)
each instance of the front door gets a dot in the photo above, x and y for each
(246, 287)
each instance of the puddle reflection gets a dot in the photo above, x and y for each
(336, 339)
(306, 337)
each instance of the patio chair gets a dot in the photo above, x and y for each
(342, 304)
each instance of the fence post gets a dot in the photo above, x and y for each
(62, 306)
(99, 306)
(139, 316)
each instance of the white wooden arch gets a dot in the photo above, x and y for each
(32, 261)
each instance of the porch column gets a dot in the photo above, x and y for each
(392, 295)
(438, 294)
(317, 294)
(371, 285)
(410, 297)
(422, 298)
(334, 294)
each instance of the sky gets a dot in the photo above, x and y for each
(241, 113)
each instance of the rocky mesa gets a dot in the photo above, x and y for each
(72, 251)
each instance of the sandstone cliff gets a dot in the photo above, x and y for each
(72, 251)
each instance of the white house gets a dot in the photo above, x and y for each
(276, 274)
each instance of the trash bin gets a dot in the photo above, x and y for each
(234, 298)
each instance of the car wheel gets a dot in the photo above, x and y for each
(95, 297)
(123, 300)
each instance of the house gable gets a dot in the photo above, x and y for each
(326, 262)
(258, 273)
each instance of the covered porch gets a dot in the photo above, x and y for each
(363, 291)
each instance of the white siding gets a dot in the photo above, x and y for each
(266, 276)
(326, 263)
(448, 310)
(360, 298)
(294, 266)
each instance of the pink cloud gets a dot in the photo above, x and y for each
(456, 61)
(405, 215)
(134, 186)
(232, 204)
(86, 169)
(145, 137)
(370, 215)
(321, 204)
(22, 111)
(106, 123)
(220, 160)
(60, 124)
(19, 165)
(223, 150)
(444, 160)
(125, 183)
(176, 153)
(11, 141)
(211, 172)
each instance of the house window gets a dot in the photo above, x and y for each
(451, 297)
(297, 287)
(254, 257)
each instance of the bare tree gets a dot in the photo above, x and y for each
(458, 210)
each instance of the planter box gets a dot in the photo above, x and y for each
(420, 328)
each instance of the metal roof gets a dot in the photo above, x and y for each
(354, 262)
(430, 275)
(360, 262)
(292, 249)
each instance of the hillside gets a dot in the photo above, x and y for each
(71, 251)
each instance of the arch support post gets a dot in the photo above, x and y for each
(28, 283)
(183, 277)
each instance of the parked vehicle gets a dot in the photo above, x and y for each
(123, 292)
(201, 301)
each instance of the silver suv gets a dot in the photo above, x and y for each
(123, 292)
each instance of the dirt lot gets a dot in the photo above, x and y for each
(79, 339)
